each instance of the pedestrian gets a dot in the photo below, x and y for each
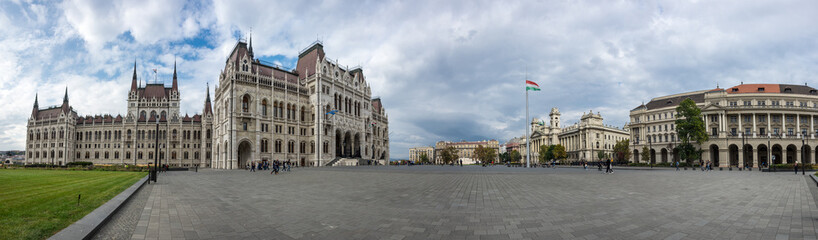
(289, 165)
(253, 167)
(607, 166)
(677, 165)
(796, 168)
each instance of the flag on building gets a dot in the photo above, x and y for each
(332, 112)
(529, 85)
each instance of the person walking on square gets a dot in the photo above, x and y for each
(795, 166)
(677, 165)
(253, 167)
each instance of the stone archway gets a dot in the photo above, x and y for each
(347, 144)
(245, 153)
(357, 145)
(652, 156)
(748, 155)
(806, 154)
(763, 155)
(733, 154)
(714, 154)
(664, 155)
(338, 143)
(776, 154)
(636, 156)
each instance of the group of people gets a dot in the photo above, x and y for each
(276, 165)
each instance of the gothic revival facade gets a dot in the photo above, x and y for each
(318, 114)
(152, 130)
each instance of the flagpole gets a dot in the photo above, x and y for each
(527, 147)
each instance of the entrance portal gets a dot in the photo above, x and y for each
(245, 154)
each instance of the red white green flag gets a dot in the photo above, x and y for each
(529, 85)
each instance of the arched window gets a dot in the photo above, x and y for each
(245, 103)
(302, 148)
(291, 147)
(264, 107)
(312, 147)
(278, 146)
(142, 114)
(303, 112)
(164, 114)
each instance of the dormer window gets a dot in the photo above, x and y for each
(813, 91)
(787, 89)
(669, 102)
(761, 89)
(735, 89)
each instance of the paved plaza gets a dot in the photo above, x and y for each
(445, 202)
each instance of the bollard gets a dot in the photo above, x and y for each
(78, 199)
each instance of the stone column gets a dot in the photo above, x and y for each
(740, 126)
(769, 128)
(798, 125)
(783, 154)
(706, 124)
(755, 156)
(724, 157)
(741, 157)
(754, 125)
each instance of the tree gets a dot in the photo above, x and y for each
(645, 154)
(485, 155)
(515, 156)
(559, 152)
(448, 155)
(622, 151)
(424, 158)
(689, 128)
(504, 158)
(600, 155)
(546, 153)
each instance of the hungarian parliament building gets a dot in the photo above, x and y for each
(318, 114)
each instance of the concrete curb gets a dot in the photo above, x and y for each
(814, 178)
(86, 227)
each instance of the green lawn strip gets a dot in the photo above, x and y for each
(51, 205)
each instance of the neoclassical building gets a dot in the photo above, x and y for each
(318, 114)
(58, 135)
(465, 149)
(747, 124)
(416, 152)
(582, 141)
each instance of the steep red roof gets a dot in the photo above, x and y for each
(154, 91)
(308, 58)
(48, 113)
(376, 105)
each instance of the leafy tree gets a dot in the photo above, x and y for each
(600, 155)
(504, 158)
(546, 153)
(622, 151)
(689, 128)
(485, 155)
(424, 158)
(448, 155)
(645, 154)
(559, 152)
(515, 156)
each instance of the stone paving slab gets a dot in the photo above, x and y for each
(472, 202)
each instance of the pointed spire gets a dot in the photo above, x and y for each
(175, 87)
(35, 100)
(207, 107)
(36, 107)
(65, 98)
(133, 82)
(251, 44)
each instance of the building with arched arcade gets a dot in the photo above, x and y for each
(747, 125)
(319, 114)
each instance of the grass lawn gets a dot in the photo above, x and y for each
(35, 204)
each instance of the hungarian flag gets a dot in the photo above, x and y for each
(154, 70)
(529, 85)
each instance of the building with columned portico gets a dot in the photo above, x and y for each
(747, 125)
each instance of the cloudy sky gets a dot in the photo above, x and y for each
(446, 70)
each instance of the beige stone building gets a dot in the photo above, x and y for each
(59, 135)
(747, 124)
(319, 114)
(415, 153)
(465, 150)
(582, 141)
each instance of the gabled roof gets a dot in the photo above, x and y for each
(308, 58)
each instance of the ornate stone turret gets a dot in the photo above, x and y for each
(555, 117)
